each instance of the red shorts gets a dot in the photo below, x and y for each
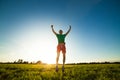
(61, 47)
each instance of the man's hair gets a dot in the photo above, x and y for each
(60, 31)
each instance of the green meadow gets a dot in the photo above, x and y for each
(72, 72)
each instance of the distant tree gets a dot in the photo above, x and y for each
(39, 62)
(25, 62)
(20, 61)
(116, 62)
(14, 62)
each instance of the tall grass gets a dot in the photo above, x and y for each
(47, 72)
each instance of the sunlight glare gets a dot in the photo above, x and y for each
(37, 44)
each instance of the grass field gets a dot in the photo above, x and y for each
(72, 72)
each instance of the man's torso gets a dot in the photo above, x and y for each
(61, 38)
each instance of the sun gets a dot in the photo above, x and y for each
(34, 46)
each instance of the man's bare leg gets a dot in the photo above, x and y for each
(64, 57)
(57, 59)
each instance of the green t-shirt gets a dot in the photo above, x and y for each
(61, 38)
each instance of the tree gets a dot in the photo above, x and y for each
(39, 62)
(20, 61)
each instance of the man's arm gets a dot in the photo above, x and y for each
(68, 30)
(53, 30)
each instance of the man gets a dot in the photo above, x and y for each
(61, 46)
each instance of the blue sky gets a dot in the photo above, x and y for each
(25, 31)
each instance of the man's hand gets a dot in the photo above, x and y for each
(68, 30)
(53, 30)
(70, 26)
(51, 26)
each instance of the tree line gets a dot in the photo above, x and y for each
(21, 61)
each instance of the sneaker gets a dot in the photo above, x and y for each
(62, 68)
(56, 68)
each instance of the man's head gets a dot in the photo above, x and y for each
(60, 32)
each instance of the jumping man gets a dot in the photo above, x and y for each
(61, 46)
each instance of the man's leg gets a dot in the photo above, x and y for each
(64, 57)
(57, 59)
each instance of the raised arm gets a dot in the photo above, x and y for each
(53, 30)
(68, 30)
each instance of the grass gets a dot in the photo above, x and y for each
(47, 72)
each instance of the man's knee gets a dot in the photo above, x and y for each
(64, 52)
(58, 52)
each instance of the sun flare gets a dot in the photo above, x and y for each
(35, 45)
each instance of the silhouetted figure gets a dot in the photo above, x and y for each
(61, 45)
